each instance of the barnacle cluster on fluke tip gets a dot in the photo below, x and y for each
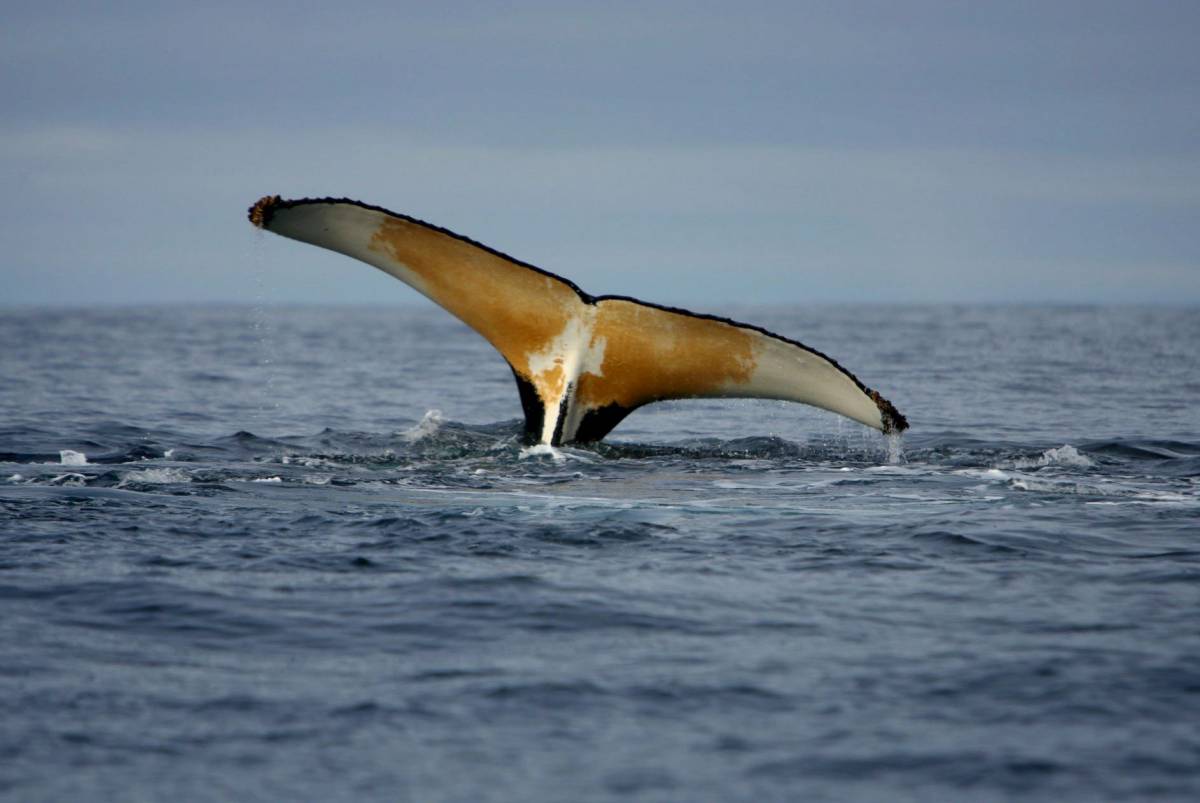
(893, 420)
(260, 213)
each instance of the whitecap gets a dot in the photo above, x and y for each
(553, 452)
(267, 479)
(890, 470)
(982, 473)
(429, 424)
(70, 458)
(306, 461)
(542, 450)
(155, 476)
(1065, 455)
(1162, 496)
(1027, 483)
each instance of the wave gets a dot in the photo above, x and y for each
(435, 450)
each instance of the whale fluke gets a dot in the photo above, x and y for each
(582, 362)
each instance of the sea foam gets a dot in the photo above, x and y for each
(429, 424)
(1065, 455)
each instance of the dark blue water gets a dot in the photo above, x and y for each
(242, 558)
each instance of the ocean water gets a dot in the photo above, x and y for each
(265, 554)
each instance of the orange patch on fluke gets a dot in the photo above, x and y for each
(517, 310)
(651, 354)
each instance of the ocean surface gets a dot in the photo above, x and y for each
(301, 553)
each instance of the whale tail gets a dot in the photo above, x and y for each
(582, 363)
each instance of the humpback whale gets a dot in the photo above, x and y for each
(582, 362)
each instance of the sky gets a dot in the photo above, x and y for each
(686, 153)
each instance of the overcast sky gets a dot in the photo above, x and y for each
(686, 153)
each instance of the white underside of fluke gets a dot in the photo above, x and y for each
(573, 352)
